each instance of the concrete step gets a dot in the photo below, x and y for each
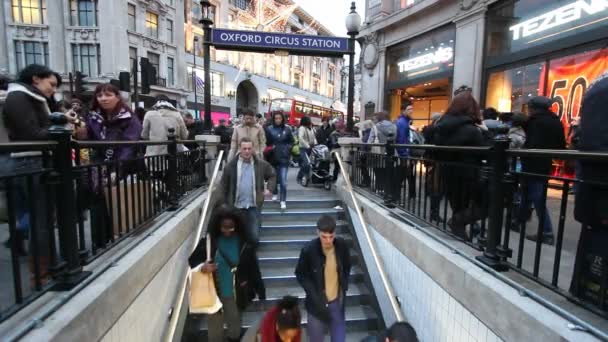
(299, 215)
(283, 228)
(320, 203)
(358, 294)
(292, 241)
(201, 335)
(358, 318)
(288, 257)
(285, 276)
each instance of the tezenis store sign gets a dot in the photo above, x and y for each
(439, 56)
(570, 17)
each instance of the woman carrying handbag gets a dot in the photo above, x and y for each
(235, 269)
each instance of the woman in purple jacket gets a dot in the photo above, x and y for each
(110, 119)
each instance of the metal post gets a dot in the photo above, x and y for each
(194, 77)
(497, 191)
(390, 171)
(71, 77)
(135, 72)
(66, 204)
(207, 124)
(351, 84)
(172, 170)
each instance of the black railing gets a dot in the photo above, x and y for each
(480, 196)
(68, 203)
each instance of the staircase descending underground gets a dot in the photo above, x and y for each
(282, 235)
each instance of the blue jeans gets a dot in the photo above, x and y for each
(536, 189)
(337, 326)
(304, 163)
(281, 172)
(252, 217)
(29, 202)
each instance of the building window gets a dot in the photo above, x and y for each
(132, 17)
(331, 76)
(170, 31)
(132, 58)
(297, 80)
(316, 67)
(242, 4)
(330, 92)
(170, 71)
(84, 12)
(315, 86)
(405, 3)
(31, 53)
(154, 59)
(296, 62)
(86, 59)
(217, 84)
(29, 11)
(152, 24)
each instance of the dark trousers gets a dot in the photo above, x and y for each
(252, 215)
(336, 326)
(304, 163)
(229, 315)
(535, 189)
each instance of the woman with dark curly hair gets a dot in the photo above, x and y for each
(235, 268)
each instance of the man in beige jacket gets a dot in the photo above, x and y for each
(250, 130)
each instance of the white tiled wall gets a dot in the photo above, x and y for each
(434, 314)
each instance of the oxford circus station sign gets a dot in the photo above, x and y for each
(271, 42)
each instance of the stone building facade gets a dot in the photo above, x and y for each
(103, 38)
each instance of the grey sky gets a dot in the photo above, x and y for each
(332, 13)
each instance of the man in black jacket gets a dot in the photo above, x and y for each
(324, 132)
(323, 270)
(543, 131)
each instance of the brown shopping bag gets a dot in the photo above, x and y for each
(132, 196)
(203, 296)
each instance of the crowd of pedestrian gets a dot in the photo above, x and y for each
(259, 157)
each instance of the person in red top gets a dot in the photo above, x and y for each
(282, 323)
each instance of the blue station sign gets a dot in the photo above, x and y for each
(295, 44)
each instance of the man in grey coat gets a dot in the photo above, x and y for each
(243, 185)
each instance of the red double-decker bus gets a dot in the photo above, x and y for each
(294, 110)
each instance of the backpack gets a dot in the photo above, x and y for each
(416, 138)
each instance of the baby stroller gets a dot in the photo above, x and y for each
(319, 167)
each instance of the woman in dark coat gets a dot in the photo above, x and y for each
(25, 114)
(229, 250)
(591, 202)
(460, 173)
(279, 139)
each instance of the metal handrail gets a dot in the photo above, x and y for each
(91, 143)
(387, 286)
(26, 146)
(197, 236)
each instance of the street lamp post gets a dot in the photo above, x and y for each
(194, 77)
(207, 21)
(353, 25)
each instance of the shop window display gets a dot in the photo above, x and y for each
(566, 82)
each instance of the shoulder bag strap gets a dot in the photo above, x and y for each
(208, 243)
(228, 261)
